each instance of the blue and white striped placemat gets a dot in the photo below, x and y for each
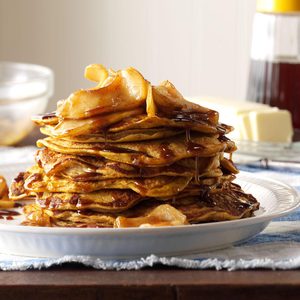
(277, 247)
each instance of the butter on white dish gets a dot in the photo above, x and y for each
(252, 121)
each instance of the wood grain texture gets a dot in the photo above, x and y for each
(74, 282)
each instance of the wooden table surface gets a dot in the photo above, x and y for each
(76, 282)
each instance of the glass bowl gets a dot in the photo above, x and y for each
(24, 91)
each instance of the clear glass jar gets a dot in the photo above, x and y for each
(24, 91)
(274, 77)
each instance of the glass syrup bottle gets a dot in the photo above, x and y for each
(274, 77)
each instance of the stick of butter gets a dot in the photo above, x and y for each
(273, 125)
(252, 121)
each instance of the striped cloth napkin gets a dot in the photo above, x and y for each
(277, 247)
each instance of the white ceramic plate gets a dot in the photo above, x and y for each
(276, 199)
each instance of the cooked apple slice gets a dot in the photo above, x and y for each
(5, 202)
(163, 215)
(123, 90)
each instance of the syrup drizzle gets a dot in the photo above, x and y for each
(8, 214)
(48, 116)
(197, 170)
(166, 152)
(105, 137)
(187, 135)
(193, 146)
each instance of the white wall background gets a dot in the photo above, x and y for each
(201, 46)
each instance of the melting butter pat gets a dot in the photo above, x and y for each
(251, 121)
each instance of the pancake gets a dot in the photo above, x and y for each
(212, 206)
(87, 168)
(183, 120)
(104, 200)
(114, 200)
(45, 119)
(65, 128)
(37, 181)
(220, 204)
(38, 216)
(228, 166)
(128, 120)
(122, 136)
(158, 186)
(146, 153)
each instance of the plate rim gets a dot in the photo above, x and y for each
(243, 176)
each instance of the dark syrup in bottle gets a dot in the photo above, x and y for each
(276, 84)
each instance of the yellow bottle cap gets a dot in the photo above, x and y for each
(278, 6)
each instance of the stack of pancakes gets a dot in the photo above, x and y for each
(127, 153)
